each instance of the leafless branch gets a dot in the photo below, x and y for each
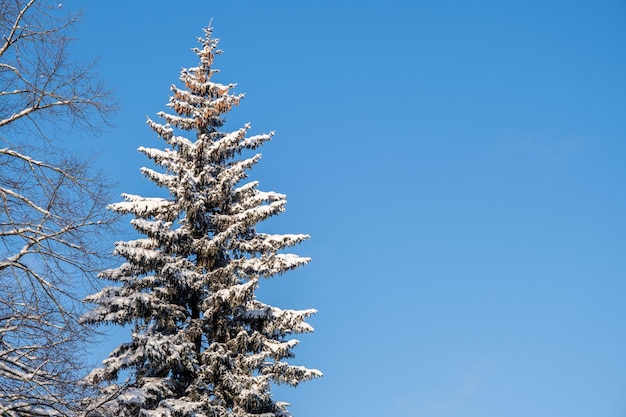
(52, 209)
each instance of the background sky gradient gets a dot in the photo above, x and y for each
(460, 167)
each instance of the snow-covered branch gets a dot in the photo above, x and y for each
(52, 210)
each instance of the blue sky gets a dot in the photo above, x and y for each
(460, 167)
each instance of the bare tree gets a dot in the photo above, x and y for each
(52, 212)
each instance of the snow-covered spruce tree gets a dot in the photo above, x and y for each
(202, 344)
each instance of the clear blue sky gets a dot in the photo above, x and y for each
(461, 167)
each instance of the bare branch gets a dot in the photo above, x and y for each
(29, 110)
(52, 210)
(11, 38)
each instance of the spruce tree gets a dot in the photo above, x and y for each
(202, 344)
